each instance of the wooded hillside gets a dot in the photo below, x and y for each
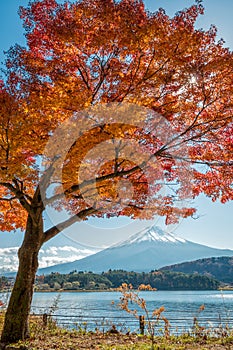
(220, 268)
(162, 280)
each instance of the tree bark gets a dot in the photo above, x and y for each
(16, 325)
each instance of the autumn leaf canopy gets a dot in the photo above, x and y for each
(101, 73)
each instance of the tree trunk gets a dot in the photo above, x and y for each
(16, 325)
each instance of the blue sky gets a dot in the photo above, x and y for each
(215, 224)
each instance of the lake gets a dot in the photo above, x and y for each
(99, 310)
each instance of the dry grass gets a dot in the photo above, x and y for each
(52, 337)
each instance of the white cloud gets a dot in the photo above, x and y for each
(8, 251)
(72, 249)
(49, 261)
(8, 259)
(59, 255)
(51, 251)
(47, 256)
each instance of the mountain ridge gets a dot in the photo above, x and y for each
(147, 250)
(220, 268)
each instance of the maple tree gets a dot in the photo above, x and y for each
(99, 60)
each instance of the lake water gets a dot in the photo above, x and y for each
(99, 310)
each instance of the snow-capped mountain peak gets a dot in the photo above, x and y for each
(149, 249)
(151, 234)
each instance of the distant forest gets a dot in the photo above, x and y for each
(161, 280)
(220, 268)
(202, 274)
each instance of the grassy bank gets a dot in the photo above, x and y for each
(53, 337)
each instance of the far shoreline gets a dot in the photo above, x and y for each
(116, 290)
(224, 289)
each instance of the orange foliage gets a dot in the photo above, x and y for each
(96, 52)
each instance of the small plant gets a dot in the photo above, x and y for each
(48, 320)
(225, 329)
(100, 327)
(198, 330)
(81, 327)
(131, 296)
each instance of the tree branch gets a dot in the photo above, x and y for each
(7, 199)
(18, 194)
(53, 231)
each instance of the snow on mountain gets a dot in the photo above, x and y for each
(152, 234)
(149, 249)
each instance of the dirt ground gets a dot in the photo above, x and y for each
(53, 337)
(63, 340)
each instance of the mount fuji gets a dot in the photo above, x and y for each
(147, 250)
